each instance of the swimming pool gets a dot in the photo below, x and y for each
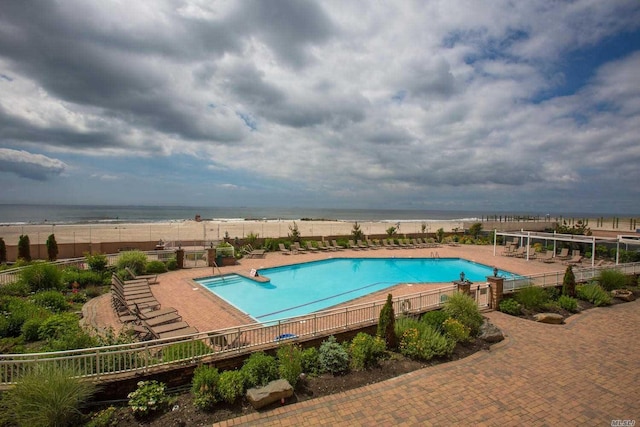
(299, 289)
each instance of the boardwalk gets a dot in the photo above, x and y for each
(582, 373)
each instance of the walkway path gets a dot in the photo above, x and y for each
(583, 373)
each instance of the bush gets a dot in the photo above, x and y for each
(259, 369)
(310, 361)
(569, 282)
(52, 247)
(231, 385)
(93, 291)
(16, 312)
(46, 397)
(204, 387)
(386, 324)
(612, 279)
(63, 332)
(135, 260)
(455, 330)
(156, 267)
(51, 300)
(42, 276)
(3, 251)
(420, 341)
(594, 293)
(104, 418)
(172, 264)
(435, 319)
(149, 397)
(365, 351)
(568, 303)
(24, 248)
(290, 363)
(16, 289)
(332, 357)
(83, 278)
(464, 308)
(532, 297)
(97, 262)
(510, 306)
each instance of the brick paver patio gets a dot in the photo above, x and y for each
(585, 372)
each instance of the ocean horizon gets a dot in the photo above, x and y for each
(12, 214)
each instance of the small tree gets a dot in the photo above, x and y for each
(391, 231)
(52, 247)
(423, 227)
(440, 235)
(356, 232)
(24, 248)
(3, 251)
(475, 230)
(569, 282)
(294, 232)
(387, 324)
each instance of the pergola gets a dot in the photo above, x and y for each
(523, 235)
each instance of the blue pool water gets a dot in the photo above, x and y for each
(304, 288)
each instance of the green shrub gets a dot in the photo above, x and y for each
(435, 319)
(51, 300)
(52, 248)
(464, 308)
(532, 297)
(185, 350)
(97, 262)
(42, 276)
(594, 293)
(259, 369)
(310, 361)
(16, 289)
(3, 251)
(149, 397)
(78, 297)
(156, 267)
(386, 324)
(83, 278)
(30, 328)
(204, 387)
(93, 291)
(332, 357)
(552, 293)
(612, 279)
(510, 306)
(569, 282)
(46, 397)
(16, 312)
(172, 264)
(231, 385)
(420, 341)
(104, 418)
(24, 248)
(63, 332)
(455, 330)
(365, 351)
(290, 363)
(568, 303)
(135, 260)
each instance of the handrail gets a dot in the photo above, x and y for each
(556, 278)
(123, 360)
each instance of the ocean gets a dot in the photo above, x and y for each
(78, 214)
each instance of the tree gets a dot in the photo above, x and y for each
(569, 282)
(3, 251)
(294, 232)
(387, 324)
(475, 230)
(52, 247)
(391, 231)
(24, 249)
(356, 232)
(440, 235)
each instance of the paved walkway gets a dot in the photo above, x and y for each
(586, 372)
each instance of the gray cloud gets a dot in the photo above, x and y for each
(28, 165)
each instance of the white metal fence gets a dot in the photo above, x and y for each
(555, 279)
(128, 360)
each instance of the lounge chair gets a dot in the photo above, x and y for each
(297, 247)
(389, 244)
(158, 331)
(373, 245)
(249, 252)
(576, 259)
(564, 254)
(336, 245)
(362, 245)
(284, 250)
(547, 257)
(311, 247)
(320, 245)
(152, 279)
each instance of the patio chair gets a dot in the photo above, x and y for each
(299, 248)
(547, 257)
(311, 247)
(336, 245)
(152, 279)
(284, 250)
(321, 246)
(564, 254)
(576, 259)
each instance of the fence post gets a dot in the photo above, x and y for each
(496, 285)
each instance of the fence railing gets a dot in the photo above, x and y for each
(128, 360)
(555, 279)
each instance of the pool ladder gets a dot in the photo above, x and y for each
(435, 255)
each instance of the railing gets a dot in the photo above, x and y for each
(13, 275)
(555, 279)
(127, 360)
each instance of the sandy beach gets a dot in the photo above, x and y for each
(216, 230)
(206, 230)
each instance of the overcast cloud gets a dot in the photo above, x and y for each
(427, 104)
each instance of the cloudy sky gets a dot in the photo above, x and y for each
(516, 106)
